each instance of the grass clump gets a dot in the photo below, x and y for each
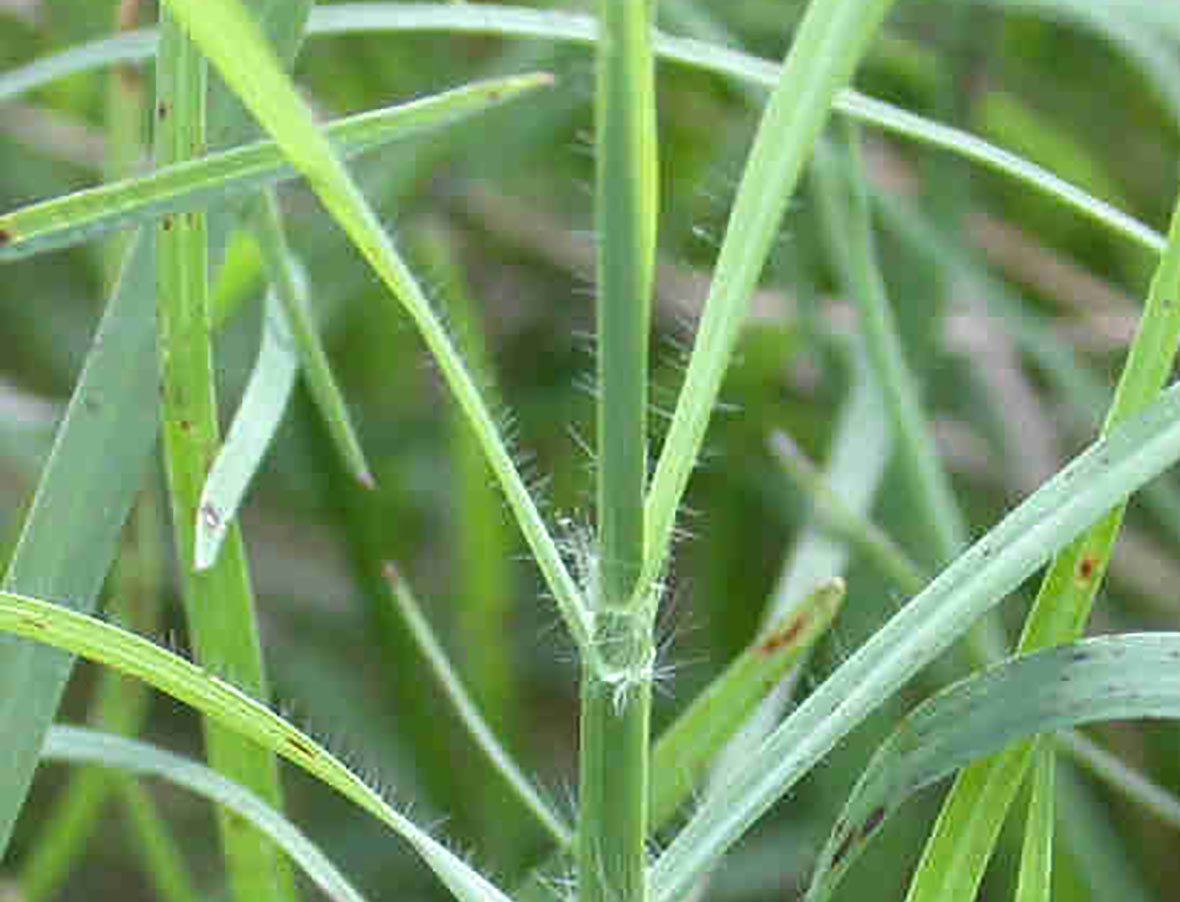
(851, 296)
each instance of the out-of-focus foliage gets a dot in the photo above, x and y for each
(509, 194)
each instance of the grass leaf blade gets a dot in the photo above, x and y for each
(257, 419)
(1110, 469)
(196, 184)
(231, 40)
(218, 700)
(1062, 607)
(823, 55)
(78, 745)
(689, 746)
(71, 532)
(345, 18)
(1121, 677)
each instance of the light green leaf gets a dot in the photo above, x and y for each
(257, 419)
(219, 701)
(85, 215)
(231, 40)
(979, 579)
(86, 489)
(77, 745)
(1122, 677)
(294, 297)
(689, 746)
(519, 22)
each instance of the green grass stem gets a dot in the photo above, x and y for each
(218, 601)
(231, 39)
(692, 744)
(616, 674)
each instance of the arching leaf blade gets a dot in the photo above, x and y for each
(60, 627)
(1124, 677)
(89, 214)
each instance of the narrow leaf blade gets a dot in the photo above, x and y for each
(1122, 677)
(57, 626)
(1108, 471)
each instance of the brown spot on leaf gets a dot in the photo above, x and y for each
(781, 638)
(873, 821)
(842, 849)
(35, 624)
(300, 746)
(5, 237)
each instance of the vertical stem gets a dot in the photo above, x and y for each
(624, 285)
(612, 858)
(616, 689)
(124, 131)
(219, 602)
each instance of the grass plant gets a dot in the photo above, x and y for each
(844, 288)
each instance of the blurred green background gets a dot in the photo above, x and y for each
(1015, 313)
